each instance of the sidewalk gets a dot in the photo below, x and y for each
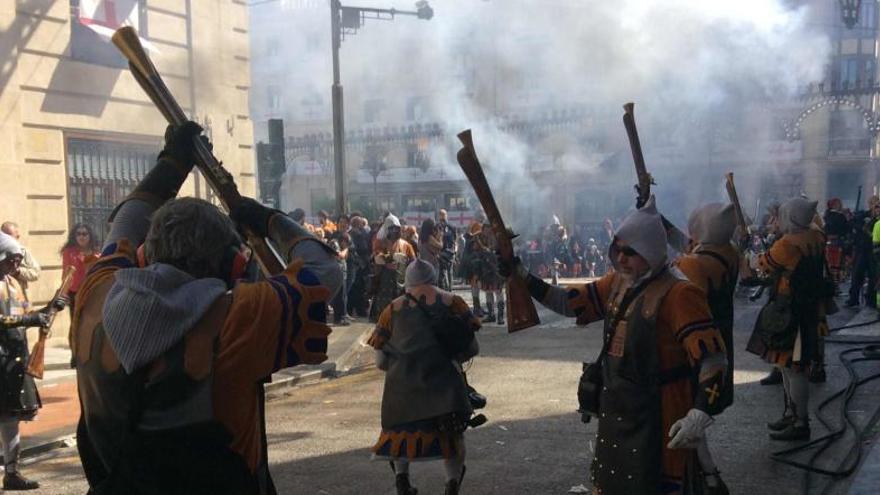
(55, 425)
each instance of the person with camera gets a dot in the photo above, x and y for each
(19, 399)
(421, 339)
(659, 376)
(789, 329)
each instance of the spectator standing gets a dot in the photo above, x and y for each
(29, 271)
(80, 249)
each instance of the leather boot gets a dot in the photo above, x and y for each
(478, 310)
(16, 482)
(774, 378)
(501, 312)
(793, 432)
(452, 487)
(490, 318)
(787, 418)
(817, 372)
(403, 486)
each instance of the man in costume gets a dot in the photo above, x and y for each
(391, 256)
(469, 269)
(172, 348)
(862, 227)
(788, 330)
(485, 272)
(713, 266)
(662, 365)
(425, 406)
(19, 400)
(447, 254)
(836, 229)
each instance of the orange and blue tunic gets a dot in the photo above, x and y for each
(424, 392)
(665, 322)
(796, 262)
(271, 324)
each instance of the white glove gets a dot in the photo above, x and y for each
(400, 258)
(687, 431)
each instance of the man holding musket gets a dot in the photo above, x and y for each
(172, 348)
(661, 369)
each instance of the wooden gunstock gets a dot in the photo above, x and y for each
(220, 180)
(675, 237)
(37, 360)
(734, 198)
(521, 312)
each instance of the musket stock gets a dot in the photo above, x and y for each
(521, 312)
(220, 180)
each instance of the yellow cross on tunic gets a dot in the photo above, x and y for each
(713, 393)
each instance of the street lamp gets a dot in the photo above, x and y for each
(346, 21)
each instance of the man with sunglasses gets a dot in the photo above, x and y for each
(662, 364)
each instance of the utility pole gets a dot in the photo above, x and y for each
(347, 20)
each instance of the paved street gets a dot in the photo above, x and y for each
(534, 442)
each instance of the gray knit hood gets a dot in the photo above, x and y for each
(713, 223)
(643, 231)
(796, 215)
(148, 310)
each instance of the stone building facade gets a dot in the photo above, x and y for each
(76, 129)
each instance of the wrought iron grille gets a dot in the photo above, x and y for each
(100, 174)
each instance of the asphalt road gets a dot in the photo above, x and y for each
(534, 442)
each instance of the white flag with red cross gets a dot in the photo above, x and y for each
(106, 16)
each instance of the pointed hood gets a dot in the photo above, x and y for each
(713, 223)
(390, 221)
(796, 215)
(643, 231)
(148, 310)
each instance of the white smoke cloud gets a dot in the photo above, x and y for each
(687, 63)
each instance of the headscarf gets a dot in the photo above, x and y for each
(390, 221)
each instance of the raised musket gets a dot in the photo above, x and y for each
(221, 181)
(674, 236)
(521, 312)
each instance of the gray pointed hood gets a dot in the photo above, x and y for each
(148, 310)
(796, 215)
(713, 223)
(643, 231)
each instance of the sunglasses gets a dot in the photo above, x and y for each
(627, 251)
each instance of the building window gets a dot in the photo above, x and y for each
(94, 21)
(456, 202)
(415, 109)
(868, 14)
(273, 97)
(419, 203)
(273, 46)
(373, 111)
(100, 174)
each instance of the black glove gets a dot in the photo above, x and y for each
(253, 215)
(35, 319)
(59, 303)
(508, 268)
(179, 144)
